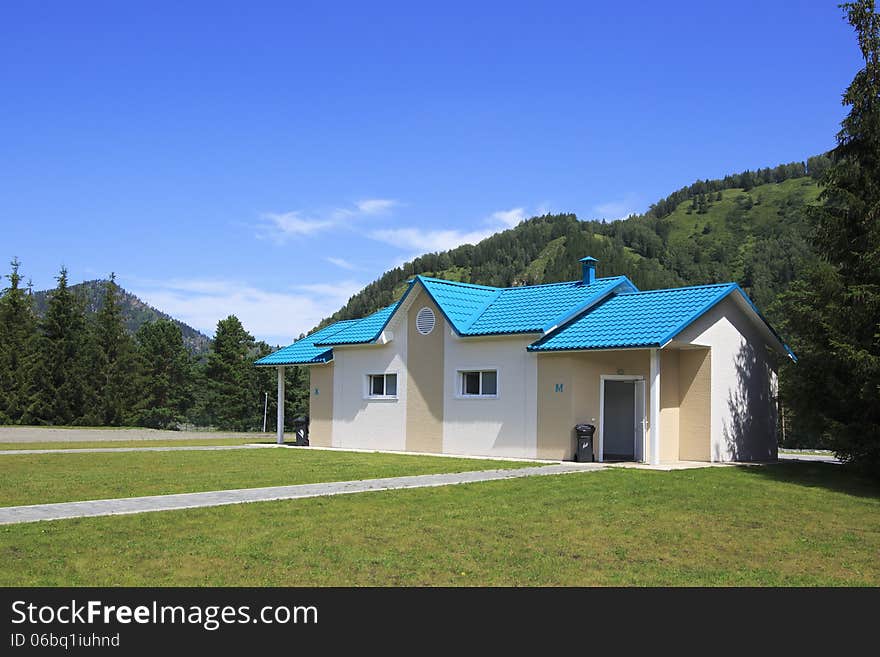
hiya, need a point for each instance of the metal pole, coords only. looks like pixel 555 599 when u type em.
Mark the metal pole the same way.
pixel 281 405
pixel 265 409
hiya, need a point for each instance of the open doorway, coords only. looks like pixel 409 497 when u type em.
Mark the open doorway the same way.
pixel 622 418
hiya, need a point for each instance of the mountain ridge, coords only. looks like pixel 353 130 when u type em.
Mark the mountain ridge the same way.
pixel 751 228
pixel 135 312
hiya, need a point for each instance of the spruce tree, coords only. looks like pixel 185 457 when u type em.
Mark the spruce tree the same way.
pixel 834 315
pixel 232 391
pixel 17 335
pixel 165 387
pixel 59 379
pixel 115 360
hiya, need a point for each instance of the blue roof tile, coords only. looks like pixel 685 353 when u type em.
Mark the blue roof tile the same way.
pixel 360 331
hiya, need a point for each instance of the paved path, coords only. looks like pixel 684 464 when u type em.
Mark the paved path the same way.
pixel 18 434
pixel 88 450
pixel 819 458
pixel 32 513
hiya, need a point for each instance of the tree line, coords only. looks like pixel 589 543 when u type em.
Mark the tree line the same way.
pixel 832 311
pixel 71 367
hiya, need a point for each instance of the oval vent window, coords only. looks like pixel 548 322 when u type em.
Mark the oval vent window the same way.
pixel 425 321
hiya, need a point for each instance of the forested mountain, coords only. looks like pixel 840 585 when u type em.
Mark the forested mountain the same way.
pixel 93 353
pixel 135 313
pixel 750 228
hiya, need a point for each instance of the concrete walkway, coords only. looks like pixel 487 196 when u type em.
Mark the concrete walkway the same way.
pixel 122 506
pixel 98 450
pixel 817 458
pixel 20 434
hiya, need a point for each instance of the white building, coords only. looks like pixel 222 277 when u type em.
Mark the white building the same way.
pixel 664 375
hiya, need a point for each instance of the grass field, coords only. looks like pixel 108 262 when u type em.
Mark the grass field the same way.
pixel 44 478
pixel 788 524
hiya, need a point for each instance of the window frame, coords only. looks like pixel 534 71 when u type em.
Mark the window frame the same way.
pixel 460 377
pixel 368 386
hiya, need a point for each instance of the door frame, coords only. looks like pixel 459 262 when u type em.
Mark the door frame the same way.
pixel 619 377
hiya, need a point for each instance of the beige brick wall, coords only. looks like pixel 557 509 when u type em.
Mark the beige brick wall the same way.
pixel 424 395
pixel 694 381
pixel 555 425
pixel 321 405
pixel 669 405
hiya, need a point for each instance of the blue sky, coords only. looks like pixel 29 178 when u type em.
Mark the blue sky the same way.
pixel 269 159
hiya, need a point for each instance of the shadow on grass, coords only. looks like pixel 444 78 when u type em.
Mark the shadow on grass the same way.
pixel 812 474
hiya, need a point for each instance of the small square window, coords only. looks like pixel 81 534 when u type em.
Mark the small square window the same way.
pixel 382 385
pixel 479 384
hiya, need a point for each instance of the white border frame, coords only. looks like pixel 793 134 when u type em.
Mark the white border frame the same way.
pixel 482 368
pixel 619 377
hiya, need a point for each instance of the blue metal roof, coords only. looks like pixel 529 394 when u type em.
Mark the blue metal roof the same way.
pixel 609 313
pixel 636 319
pixel 304 351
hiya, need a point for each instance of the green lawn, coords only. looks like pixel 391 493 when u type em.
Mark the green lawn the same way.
pixel 43 478
pixel 87 444
pixel 787 524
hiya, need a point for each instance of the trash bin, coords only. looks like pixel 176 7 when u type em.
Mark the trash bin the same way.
pixel 583 452
pixel 301 430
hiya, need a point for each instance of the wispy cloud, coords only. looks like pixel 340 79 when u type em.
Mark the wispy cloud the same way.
pixel 272 315
pixel 420 240
pixel 509 218
pixel 341 263
pixel 614 210
pixel 288 224
pixel 376 205
pixel 281 226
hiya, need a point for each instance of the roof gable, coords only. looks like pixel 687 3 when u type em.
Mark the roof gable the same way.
pixel 637 319
pixel 460 303
pixel 537 308
pixel 648 319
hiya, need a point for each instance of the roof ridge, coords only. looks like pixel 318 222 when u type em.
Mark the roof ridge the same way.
pixel 512 287
pixel 574 282
pixel 676 289
pixel 460 283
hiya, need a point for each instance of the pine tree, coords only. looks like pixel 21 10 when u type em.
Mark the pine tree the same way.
pixel 17 331
pixel 232 391
pixel 165 382
pixel 834 315
pixel 115 361
pixel 58 384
